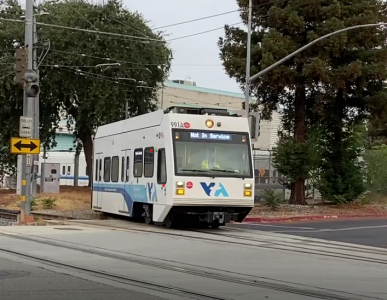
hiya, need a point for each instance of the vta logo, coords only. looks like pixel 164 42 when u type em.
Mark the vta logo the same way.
pixel 208 189
pixel 152 193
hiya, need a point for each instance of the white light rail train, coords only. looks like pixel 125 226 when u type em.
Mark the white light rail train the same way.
pixel 176 167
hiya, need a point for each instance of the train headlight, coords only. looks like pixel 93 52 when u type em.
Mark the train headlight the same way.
pixel 209 123
pixel 247 186
pixel 180 184
pixel 247 190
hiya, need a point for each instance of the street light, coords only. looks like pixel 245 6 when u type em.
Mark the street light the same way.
pixel 271 67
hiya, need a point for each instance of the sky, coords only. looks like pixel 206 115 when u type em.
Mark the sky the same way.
pixel 196 58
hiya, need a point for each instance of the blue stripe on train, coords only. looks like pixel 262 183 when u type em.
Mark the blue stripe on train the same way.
pixel 71 177
pixel 130 192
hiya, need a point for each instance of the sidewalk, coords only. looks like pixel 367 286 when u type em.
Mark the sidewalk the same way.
pixel 294 213
pixel 258 219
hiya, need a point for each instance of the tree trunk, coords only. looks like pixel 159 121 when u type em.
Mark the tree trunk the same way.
pixel 337 129
pixel 87 142
pixel 297 195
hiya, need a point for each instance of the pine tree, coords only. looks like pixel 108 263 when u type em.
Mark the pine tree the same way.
pixel 333 79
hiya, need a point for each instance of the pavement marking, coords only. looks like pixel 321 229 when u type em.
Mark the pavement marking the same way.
pixel 279 226
pixel 354 228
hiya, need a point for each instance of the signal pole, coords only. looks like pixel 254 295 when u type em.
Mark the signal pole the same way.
pixel 27 77
pixel 248 59
pixel 28 107
pixel 34 187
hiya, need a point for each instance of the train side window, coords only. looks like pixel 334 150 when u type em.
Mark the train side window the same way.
pixel 149 162
pixel 68 170
pixel 127 169
pixel 161 167
pixel 115 168
pixel 123 169
pixel 106 169
pixel 96 170
pixel 63 170
pixel 138 162
pixel 100 170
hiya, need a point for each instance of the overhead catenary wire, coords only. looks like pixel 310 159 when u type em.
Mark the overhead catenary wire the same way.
pixel 143 38
pixel 106 16
pixel 82 16
pixel 158 87
pixel 200 33
pixel 106 59
pixel 210 16
pixel 196 20
pixel 129 37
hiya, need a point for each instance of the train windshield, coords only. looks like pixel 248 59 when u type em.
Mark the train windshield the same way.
pixel 212 153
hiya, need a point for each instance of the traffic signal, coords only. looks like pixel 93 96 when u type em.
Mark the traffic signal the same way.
pixel 32 90
pixel 255 125
pixel 21 65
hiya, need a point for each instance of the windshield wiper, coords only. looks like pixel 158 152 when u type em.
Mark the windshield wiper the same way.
pixel 195 170
pixel 224 171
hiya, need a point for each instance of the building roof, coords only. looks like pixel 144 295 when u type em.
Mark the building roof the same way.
pixel 202 89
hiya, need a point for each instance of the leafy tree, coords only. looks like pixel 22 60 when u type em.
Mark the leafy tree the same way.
pixel 91 96
pixel 11 96
pixel 377 121
pixel 376 169
pixel 73 86
pixel 333 80
pixel 341 171
pixel 11 101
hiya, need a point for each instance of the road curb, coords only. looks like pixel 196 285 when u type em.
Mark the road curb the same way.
pixel 306 218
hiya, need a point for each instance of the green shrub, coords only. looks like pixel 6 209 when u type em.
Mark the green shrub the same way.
pixel 48 203
pixel 271 198
pixel 33 203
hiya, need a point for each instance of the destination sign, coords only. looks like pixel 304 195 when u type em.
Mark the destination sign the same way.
pixel 211 136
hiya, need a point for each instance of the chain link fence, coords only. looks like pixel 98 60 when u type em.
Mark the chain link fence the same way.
pixel 268 178
pixel 8 182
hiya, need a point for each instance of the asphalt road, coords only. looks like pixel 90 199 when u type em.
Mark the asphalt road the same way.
pixel 367 232
pixel 23 281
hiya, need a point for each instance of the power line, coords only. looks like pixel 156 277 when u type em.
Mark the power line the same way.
pixel 119 81
pixel 211 16
pixel 108 59
pixel 109 17
pixel 126 25
pixel 218 28
pixel 76 10
pixel 200 33
pixel 128 62
pixel 144 39
pixel 195 20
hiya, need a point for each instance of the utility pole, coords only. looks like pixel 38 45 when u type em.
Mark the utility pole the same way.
pixel 29 42
pixel 248 60
pixel 25 145
pixel 34 188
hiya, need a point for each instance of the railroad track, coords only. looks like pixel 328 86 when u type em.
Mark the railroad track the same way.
pixel 190 269
pixel 9 216
pixel 48 216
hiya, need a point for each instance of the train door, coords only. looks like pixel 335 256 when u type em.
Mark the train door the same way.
pixel 97 184
pixel 67 175
pixel 126 173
